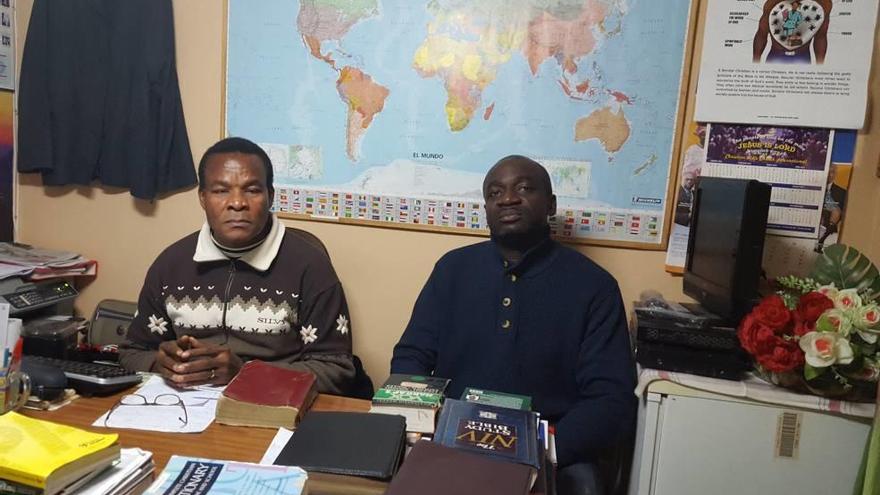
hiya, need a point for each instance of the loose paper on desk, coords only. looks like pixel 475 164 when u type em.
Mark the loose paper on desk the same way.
pixel 281 438
pixel 201 404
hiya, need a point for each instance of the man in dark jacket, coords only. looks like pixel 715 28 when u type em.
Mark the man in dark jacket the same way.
pixel 523 314
pixel 241 288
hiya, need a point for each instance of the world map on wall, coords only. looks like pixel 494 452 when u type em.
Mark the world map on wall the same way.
pixel 394 110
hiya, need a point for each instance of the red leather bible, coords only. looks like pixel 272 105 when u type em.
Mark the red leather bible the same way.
pixel 267 396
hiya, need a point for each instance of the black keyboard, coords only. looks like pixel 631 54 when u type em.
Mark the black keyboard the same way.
pixel 90 378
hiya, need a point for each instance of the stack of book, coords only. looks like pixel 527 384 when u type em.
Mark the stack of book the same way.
pixel 499 433
pixel 248 401
pixel 130 475
pixel 416 398
pixel 546 436
pixel 45 458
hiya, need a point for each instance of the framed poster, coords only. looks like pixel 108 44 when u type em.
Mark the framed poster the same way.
pixel 7 45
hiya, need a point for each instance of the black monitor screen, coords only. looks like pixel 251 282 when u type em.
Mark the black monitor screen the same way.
pixel 715 231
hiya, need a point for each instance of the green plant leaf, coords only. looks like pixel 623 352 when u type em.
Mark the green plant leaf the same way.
pixel 873 292
pixel 811 372
pixel 846 268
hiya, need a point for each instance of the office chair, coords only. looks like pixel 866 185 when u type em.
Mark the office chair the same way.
pixel 110 322
pixel 310 238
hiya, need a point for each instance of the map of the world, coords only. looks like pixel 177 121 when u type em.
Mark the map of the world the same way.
pixel 393 110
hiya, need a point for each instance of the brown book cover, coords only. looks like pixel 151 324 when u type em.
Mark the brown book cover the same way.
pixel 434 469
pixel 267 396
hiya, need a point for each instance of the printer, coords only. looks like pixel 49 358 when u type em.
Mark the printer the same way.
pixel 46 309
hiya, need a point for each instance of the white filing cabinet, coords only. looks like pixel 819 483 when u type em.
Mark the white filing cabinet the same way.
pixel 691 442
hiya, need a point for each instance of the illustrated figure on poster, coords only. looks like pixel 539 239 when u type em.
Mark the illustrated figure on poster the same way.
pixel 793 26
pixel 832 211
pixel 690 176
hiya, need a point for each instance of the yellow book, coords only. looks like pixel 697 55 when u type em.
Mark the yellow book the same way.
pixel 49 455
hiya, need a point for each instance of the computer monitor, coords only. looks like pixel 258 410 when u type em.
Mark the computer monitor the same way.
pixel 726 244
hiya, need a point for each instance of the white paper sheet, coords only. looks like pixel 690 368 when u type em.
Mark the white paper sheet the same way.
pixel 281 438
pixel 201 406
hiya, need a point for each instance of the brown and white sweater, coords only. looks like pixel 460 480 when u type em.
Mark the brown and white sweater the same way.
pixel 280 302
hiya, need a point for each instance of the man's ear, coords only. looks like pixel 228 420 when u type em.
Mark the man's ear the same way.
pixel 202 198
pixel 551 208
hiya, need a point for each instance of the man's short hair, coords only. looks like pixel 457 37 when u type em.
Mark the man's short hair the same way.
pixel 237 145
pixel 545 176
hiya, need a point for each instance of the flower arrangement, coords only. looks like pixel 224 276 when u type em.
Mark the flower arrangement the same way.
pixel 820 333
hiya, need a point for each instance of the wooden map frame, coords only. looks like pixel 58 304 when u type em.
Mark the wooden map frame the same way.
pixel 685 103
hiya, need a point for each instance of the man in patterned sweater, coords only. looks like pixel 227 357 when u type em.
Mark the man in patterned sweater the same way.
pixel 241 288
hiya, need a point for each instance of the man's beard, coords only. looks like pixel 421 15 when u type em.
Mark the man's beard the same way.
pixel 522 241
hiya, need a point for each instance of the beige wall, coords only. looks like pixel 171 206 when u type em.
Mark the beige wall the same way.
pixel 382 269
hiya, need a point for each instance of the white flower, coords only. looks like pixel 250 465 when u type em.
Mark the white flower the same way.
pixel 868 317
pixel 342 324
pixel 836 321
pixel 822 349
pixel 847 299
pixel 309 334
pixel 158 325
pixel 829 291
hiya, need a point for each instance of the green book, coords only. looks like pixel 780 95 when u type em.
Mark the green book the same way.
pixel 499 399
pixel 411 391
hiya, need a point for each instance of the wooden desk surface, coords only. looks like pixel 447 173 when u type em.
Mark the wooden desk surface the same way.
pixel 234 443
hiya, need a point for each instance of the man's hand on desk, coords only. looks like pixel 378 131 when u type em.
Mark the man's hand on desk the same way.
pixel 188 362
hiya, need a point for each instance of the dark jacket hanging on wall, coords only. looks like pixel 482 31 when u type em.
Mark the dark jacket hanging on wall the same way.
pixel 98 97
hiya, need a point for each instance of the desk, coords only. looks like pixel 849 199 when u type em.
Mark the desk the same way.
pixel 233 443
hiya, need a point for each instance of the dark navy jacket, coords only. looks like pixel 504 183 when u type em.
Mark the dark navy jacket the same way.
pixel 553 327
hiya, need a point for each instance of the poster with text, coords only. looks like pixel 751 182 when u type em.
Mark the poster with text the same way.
pixel 7 45
pixel 786 62
pixel 688 177
pixel 793 160
pixel 796 256
pixel 6 160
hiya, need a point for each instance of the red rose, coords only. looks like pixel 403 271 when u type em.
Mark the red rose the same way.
pixel 802 327
pixel 785 356
pixel 772 312
pixel 755 336
pixel 811 306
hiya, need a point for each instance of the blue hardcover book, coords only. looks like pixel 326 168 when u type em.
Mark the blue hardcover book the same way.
pixel 500 432
pixel 190 475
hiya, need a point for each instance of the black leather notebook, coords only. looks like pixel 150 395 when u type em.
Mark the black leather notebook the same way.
pixel 351 443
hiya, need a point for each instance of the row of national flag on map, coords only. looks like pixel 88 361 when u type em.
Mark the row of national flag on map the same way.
pixel 600 223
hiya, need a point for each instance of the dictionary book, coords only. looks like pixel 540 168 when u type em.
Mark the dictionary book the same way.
pixel 191 475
